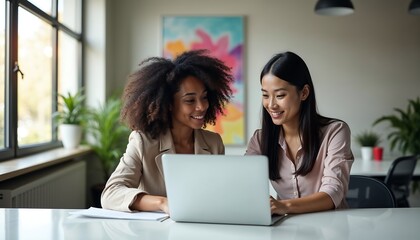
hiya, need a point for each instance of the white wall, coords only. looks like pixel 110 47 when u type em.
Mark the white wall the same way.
pixel 95 51
pixel 362 65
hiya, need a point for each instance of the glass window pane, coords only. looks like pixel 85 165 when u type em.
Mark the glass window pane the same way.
pixel 44 5
pixel 35 90
pixel 68 68
pixel 2 73
pixel 69 13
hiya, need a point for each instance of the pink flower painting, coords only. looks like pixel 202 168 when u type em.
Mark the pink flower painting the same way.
pixel 224 38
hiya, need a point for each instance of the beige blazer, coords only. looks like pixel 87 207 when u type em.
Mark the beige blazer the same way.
pixel 140 168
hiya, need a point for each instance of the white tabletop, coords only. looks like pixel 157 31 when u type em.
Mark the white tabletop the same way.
pixel 375 168
pixel 396 223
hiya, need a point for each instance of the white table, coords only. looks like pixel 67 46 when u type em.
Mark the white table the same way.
pixel 375 168
pixel 57 224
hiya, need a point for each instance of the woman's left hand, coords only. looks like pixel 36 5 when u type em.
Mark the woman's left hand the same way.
pixel 316 202
pixel 278 207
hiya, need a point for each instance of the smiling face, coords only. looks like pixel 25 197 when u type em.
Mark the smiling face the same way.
pixel 282 100
pixel 190 104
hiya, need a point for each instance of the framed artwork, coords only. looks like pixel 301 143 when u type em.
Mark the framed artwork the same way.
pixel 223 36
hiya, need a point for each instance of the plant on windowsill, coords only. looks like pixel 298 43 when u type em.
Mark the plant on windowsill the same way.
pixel 71 117
pixel 367 140
pixel 107 138
pixel 405 134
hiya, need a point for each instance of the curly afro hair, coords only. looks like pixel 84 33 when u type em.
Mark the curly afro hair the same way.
pixel 149 91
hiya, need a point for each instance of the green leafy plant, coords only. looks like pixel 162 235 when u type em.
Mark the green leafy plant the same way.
pixel 405 125
pixel 109 135
pixel 405 134
pixel 368 139
pixel 71 108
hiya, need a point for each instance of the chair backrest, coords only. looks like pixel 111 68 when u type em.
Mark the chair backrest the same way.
pixel 368 192
pixel 401 172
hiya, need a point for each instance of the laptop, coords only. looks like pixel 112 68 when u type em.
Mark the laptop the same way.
pixel 227 189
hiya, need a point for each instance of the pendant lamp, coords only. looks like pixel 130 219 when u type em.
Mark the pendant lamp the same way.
pixel 334 7
pixel 414 7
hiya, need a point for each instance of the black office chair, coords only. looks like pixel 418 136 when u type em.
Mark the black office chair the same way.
pixel 399 177
pixel 368 192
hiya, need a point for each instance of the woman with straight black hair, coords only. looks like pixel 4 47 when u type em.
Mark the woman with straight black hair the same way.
pixel 309 155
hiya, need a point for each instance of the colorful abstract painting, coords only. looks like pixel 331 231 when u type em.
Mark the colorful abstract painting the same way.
pixel 224 37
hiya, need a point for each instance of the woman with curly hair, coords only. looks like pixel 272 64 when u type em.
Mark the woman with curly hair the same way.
pixel 166 104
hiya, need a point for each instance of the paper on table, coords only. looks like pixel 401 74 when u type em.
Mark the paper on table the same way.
pixel 105 213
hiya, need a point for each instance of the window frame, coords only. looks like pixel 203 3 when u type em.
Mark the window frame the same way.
pixel 12 150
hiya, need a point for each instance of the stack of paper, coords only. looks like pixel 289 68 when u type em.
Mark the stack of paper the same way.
pixel 105 213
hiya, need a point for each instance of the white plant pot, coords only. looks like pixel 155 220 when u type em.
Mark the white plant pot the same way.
pixel 71 135
pixel 367 153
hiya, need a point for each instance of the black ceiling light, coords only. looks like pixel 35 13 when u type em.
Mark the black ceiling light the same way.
pixel 335 7
pixel 414 7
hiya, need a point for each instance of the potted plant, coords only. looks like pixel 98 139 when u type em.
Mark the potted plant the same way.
pixel 405 134
pixel 70 117
pixel 367 140
pixel 108 139
pixel 405 125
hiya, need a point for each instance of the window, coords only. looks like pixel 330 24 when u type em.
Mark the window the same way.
pixel 2 73
pixel 40 56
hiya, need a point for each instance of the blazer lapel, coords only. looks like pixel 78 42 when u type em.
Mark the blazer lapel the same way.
pixel 200 145
pixel 166 146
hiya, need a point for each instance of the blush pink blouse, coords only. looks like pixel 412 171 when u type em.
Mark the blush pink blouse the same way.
pixel 331 170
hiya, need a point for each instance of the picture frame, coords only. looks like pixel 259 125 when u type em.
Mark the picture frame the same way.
pixel 223 36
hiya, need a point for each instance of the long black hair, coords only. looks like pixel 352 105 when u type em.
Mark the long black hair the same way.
pixel 291 68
